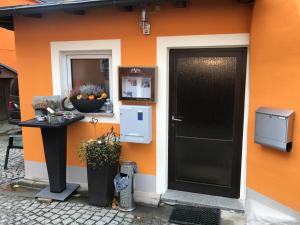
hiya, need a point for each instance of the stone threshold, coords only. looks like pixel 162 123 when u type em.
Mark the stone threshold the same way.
pixel 173 197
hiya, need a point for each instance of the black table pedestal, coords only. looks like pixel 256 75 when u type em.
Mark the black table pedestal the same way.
pixel 55 149
pixel 55 145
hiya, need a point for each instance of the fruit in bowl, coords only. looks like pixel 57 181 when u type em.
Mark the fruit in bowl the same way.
pixel 88 98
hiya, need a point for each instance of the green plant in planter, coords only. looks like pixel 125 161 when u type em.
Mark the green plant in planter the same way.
pixel 105 150
pixel 102 156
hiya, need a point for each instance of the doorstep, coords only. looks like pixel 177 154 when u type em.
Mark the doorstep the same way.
pixel 195 199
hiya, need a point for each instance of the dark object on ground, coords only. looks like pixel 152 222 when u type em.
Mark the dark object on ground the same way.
pixel 87 106
pixel 11 145
pixel 101 184
pixel 14 114
pixel 190 215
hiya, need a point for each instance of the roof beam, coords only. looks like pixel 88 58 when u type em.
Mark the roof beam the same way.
pixel 34 15
pixel 180 3
pixel 76 12
pixel 246 1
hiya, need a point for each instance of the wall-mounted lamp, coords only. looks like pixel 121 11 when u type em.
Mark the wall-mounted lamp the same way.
pixel 145 25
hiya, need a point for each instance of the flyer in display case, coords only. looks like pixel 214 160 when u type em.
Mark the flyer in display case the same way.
pixel 137 83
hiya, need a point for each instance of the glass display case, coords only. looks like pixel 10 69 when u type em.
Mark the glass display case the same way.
pixel 137 83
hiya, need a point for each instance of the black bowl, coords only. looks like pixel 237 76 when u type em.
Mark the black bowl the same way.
pixel 87 106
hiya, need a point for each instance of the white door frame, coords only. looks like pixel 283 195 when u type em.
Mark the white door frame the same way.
pixel 162 106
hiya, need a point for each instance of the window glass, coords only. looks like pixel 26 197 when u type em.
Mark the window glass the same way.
pixel 90 71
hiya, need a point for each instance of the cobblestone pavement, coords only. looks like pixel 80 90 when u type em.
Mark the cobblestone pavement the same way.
pixel 16 209
pixel 20 207
pixel 20 210
pixel 15 164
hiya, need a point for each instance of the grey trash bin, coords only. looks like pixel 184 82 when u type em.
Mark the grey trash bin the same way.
pixel 126 195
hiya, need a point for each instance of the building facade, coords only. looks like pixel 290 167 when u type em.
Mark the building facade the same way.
pixel 254 46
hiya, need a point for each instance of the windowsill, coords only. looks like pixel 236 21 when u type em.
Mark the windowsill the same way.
pixel 101 117
pixel 98 114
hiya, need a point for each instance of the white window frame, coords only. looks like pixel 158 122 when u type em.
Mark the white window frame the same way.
pixel 91 48
pixel 71 56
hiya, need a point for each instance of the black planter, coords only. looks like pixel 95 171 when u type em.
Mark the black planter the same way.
pixel 87 106
pixel 101 184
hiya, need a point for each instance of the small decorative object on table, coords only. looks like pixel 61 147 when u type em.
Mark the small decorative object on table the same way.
pixel 41 103
pixel 102 156
pixel 88 98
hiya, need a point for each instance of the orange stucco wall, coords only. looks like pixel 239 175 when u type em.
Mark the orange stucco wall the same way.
pixel 7 38
pixel 33 37
pixel 275 80
pixel 7 48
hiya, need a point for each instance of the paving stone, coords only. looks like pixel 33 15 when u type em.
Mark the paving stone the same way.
pixel 49 214
pixel 106 219
pixel 119 219
pixel 86 216
pixel 46 221
pixel 81 220
pixel 100 223
pixel 113 211
pixel 70 212
pixel 125 223
pixel 55 210
pixel 24 221
pixel 74 223
pixel 130 216
pixel 100 214
pixel 89 222
pixel 40 219
pixel 111 215
pixel 76 216
pixel 96 218
pixel 67 221
pixel 53 217
pixel 121 214
pixel 56 221
pixel 32 217
pixel 128 219
pixel 65 216
pixel 113 223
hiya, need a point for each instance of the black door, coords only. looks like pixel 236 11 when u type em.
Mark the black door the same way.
pixel 207 88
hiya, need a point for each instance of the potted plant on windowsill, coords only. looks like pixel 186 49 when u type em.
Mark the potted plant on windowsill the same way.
pixel 102 156
pixel 88 98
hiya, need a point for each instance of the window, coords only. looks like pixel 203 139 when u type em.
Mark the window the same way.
pixel 89 69
pixel 63 51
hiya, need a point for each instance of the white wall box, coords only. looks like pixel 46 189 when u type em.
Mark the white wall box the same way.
pixel 136 124
pixel 274 128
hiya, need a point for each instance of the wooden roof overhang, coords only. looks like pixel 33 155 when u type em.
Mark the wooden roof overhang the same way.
pixel 76 7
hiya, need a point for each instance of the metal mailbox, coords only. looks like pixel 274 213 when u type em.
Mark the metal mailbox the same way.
pixel 136 124
pixel 274 128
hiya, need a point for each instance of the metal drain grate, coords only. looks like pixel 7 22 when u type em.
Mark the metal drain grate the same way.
pixel 189 215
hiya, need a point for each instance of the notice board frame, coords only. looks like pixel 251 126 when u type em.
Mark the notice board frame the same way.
pixel 144 73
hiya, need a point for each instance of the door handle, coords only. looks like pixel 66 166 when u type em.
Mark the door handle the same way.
pixel 176 119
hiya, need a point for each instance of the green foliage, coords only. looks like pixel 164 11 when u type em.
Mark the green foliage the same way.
pixel 105 150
